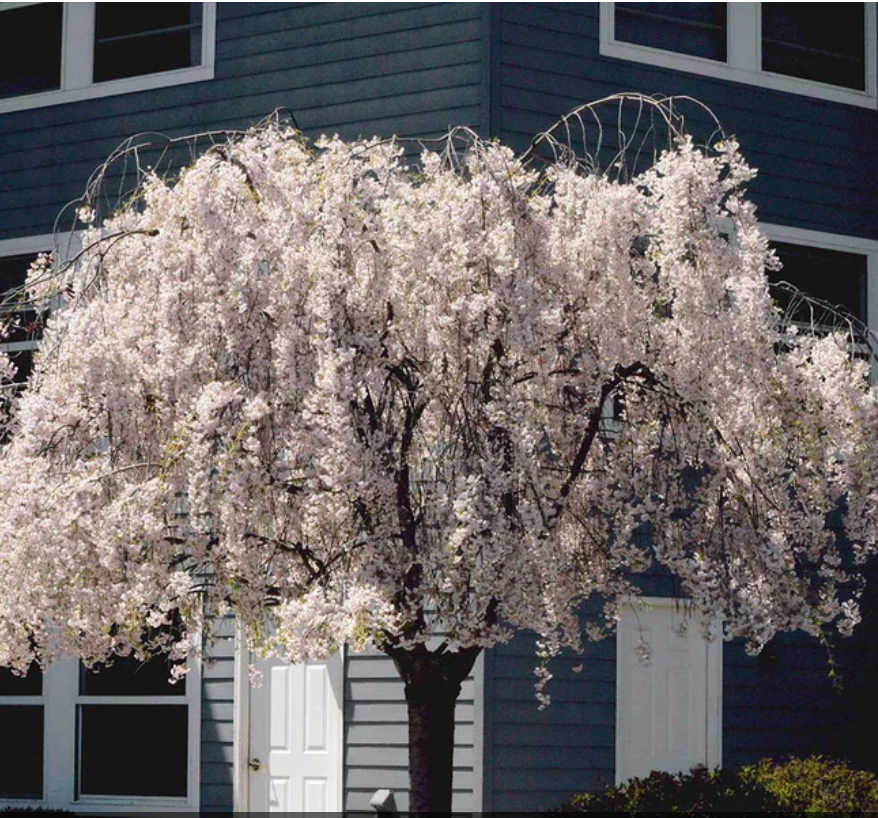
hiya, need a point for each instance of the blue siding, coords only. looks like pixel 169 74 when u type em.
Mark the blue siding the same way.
pixel 217 707
pixel 352 69
pixel 535 759
pixel 800 697
pixel 817 160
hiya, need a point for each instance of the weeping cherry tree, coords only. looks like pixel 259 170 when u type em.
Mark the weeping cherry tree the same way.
pixel 419 402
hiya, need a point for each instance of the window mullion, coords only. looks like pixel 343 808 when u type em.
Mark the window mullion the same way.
pixel 59 692
pixel 78 45
pixel 744 36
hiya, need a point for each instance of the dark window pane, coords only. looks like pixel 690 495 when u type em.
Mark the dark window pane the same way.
pixel 26 324
pixel 830 275
pixel 132 39
pixel 698 29
pixel 30 49
pixel 21 751
pixel 121 19
pixel 29 685
pixel 133 750
pixel 816 41
pixel 13 269
pixel 130 677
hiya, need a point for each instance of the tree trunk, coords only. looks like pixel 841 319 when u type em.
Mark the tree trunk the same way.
pixel 431 707
pixel 432 685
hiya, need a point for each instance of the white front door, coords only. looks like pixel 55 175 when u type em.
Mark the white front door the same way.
pixel 296 737
pixel 668 709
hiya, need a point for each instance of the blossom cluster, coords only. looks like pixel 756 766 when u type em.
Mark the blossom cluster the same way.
pixel 359 400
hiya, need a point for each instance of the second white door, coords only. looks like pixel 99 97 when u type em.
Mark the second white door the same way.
pixel 669 708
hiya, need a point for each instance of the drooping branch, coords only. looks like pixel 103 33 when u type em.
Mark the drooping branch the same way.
pixel 620 375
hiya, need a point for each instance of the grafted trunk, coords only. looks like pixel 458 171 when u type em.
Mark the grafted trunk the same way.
pixel 432 685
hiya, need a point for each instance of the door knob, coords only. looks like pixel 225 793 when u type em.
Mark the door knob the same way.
pixel 255 764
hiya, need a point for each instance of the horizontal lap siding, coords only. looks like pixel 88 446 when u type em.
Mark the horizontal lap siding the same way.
pixel 352 69
pixel 800 697
pixel 376 737
pixel 817 160
pixel 535 759
pixel 217 706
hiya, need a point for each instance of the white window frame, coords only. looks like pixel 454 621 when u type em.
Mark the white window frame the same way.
pixel 77 63
pixel 61 701
pixel 744 57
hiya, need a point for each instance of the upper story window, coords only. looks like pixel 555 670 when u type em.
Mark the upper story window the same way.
pixel 823 50
pixel 51 53
pixel 132 39
pixel 30 70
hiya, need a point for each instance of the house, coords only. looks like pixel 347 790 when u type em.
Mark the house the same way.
pixel 797 84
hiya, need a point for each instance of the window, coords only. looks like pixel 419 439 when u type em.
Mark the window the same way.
pixel 823 42
pixel 22 340
pixel 697 29
pixel 140 697
pixel 824 50
pixel 841 270
pixel 29 71
pixel 89 50
pixel 100 740
pixel 132 39
pixel 834 276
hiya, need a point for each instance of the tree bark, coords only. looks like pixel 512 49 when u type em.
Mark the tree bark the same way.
pixel 432 685
pixel 431 706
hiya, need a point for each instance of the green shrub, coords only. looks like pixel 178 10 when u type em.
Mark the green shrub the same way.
pixel 700 790
pixel 814 784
